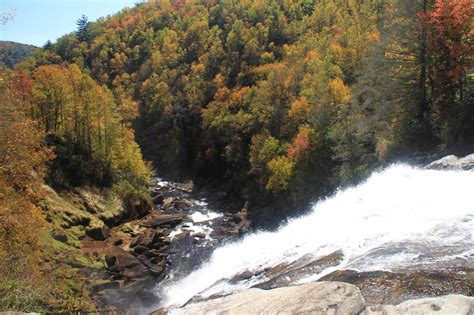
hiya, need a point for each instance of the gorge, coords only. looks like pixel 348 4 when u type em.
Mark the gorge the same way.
pixel 186 155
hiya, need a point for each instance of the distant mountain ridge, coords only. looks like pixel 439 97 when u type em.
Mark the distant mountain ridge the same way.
pixel 12 53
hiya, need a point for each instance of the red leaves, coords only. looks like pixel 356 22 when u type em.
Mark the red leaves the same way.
pixel 300 144
pixel 449 28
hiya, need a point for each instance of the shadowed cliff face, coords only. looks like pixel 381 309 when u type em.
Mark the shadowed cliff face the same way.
pixel 414 224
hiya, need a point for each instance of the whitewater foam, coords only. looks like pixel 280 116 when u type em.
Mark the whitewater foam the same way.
pixel 398 218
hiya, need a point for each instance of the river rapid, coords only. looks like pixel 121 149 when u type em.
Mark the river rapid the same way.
pixel 399 220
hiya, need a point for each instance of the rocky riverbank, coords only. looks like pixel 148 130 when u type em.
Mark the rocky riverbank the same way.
pixel 321 298
pixel 166 239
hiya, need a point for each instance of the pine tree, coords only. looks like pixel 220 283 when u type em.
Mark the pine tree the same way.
pixel 83 28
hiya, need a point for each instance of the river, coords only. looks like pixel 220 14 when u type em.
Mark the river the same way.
pixel 400 219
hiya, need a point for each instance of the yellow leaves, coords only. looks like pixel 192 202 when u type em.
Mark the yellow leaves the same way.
pixel 281 170
pixel 373 36
pixel 339 91
pixel 336 50
pixel 299 109
pixel 225 110
pixel 267 57
pixel 127 163
pixel 198 68
pixel 128 109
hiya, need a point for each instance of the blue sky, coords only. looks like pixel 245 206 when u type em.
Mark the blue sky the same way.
pixel 37 21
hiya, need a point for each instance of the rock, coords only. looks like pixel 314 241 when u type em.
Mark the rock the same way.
pixel 384 287
pixel 168 203
pixel 118 242
pixel 452 162
pixel 247 274
pixel 106 285
pixel 183 204
pixel 139 207
pixel 140 250
pixel 200 235
pixel 446 305
pixel 98 232
pixel 162 219
pixel 125 264
pixel 160 311
pixel 146 239
pixel 157 198
pixel 59 236
pixel 311 298
pixel 283 275
pixel 187 186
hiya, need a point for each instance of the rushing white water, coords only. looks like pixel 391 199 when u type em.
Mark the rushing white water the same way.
pixel 399 218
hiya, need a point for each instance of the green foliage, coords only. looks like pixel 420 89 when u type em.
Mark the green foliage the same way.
pixel 224 88
pixel 281 170
pixel 91 139
pixel 12 53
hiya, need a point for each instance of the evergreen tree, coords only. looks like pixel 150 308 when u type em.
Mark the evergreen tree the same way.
pixel 82 32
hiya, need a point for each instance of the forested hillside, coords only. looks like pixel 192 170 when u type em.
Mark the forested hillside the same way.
pixel 269 100
pixel 284 96
pixel 12 53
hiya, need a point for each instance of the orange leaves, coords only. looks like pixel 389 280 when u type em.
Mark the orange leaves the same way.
pixel 312 55
pixel 300 144
pixel 22 164
pixel 450 27
pixel 21 150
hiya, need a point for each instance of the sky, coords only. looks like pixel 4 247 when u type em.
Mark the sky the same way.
pixel 37 21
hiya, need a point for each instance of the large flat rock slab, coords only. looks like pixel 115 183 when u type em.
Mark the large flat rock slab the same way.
pixel 312 298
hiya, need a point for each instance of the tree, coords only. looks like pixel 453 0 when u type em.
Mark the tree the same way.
pixel 449 28
pixel 22 166
pixel 82 32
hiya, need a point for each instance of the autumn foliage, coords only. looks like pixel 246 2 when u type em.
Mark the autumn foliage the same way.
pixel 450 26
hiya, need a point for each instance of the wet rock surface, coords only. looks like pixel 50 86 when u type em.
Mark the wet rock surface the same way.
pixel 384 287
pixel 320 298
pixel 286 274
pixel 452 162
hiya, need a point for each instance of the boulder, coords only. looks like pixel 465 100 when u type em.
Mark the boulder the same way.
pixel 183 204
pixel 445 305
pixel 452 162
pixel 98 231
pixel 59 236
pixel 311 298
pixel 168 203
pixel 125 264
pixel 157 198
pixel 145 239
pixel 160 219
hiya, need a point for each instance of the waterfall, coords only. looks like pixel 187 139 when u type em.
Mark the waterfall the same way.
pixel 399 218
